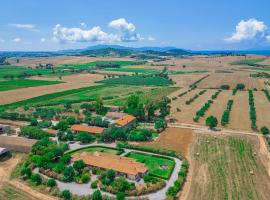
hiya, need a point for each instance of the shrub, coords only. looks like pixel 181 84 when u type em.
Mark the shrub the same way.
pixel 120 196
pixel 66 194
pixel 226 114
pixel 51 182
pixel 265 130
pixel 94 185
pixel 85 178
pixel 225 87
pixel 33 132
pixel 97 195
pixel 78 165
pixel 36 178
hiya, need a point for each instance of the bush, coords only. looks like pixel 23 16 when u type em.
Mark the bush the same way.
pixel 265 130
pixel 84 137
pixel 120 196
pixel 94 185
pixel 97 195
pixel 226 114
pixel 33 132
pixel 36 178
pixel 66 194
pixel 225 87
pixel 51 182
pixel 85 178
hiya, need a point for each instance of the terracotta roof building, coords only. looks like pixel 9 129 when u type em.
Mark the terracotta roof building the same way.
pixel 120 164
pixel 122 120
pixel 88 129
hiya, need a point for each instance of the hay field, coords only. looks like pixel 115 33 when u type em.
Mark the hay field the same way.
pixel 225 167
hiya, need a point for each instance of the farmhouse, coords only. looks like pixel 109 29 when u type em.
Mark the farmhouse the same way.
pixel 88 129
pixel 4 129
pixel 121 165
pixel 121 120
pixel 20 144
pixel 51 131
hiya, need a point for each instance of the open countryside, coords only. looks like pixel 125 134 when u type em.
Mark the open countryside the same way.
pixel 121 103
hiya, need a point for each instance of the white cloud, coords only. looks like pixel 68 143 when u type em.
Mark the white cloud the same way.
pixel 83 24
pixel 150 38
pixel 126 30
pixel 30 27
pixel 2 40
pixel 17 40
pixel 251 29
pixel 95 34
pixel 125 33
pixel 268 38
pixel 42 40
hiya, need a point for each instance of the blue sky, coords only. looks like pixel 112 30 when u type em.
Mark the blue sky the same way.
pixel 193 24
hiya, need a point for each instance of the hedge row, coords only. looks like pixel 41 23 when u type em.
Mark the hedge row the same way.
pixel 188 102
pixel 226 114
pixel 196 82
pixel 178 184
pixel 252 110
pixel 267 94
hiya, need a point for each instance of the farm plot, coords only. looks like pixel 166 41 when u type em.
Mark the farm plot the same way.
pixel 24 83
pixel 188 111
pixel 239 119
pixel 225 167
pixel 158 166
pixel 184 80
pixel 262 106
pixel 175 139
pixel 217 80
pixel 217 107
pixel 71 82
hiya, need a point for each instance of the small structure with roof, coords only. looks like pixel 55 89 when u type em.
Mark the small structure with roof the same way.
pixel 87 129
pixel 4 129
pixel 123 166
pixel 121 120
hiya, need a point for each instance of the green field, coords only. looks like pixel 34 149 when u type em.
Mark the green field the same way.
pixel 132 70
pixel 258 68
pixel 154 164
pixel 148 94
pixel 251 62
pixel 23 83
pixel 186 72
pixel 97 149
pixel 111 94
pixel 138 80
pixel 61 70
pixel 8 192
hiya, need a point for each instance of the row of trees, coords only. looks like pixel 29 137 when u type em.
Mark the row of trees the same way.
pixel 239 86
pixel 267 94
pixel 226 114
pixel 188 102
pixel 252 110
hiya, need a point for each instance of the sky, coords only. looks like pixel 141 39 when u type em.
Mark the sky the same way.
pixel 41 25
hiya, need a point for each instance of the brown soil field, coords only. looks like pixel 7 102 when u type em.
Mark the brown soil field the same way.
pixel 217 108
pixel 226 167
pixel 202 63
pixel 59 60
pixel 188 111
pixel 175 139
pixel 239 117
pixel 184 80
pixel 71 82
pixel 262 106
pixel 216 80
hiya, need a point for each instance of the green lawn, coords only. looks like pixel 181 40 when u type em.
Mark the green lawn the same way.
pixel 154 164
pixel 258 68
pixel 248 62
pixel 138 80
pixel 23 83
pixel 97 149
